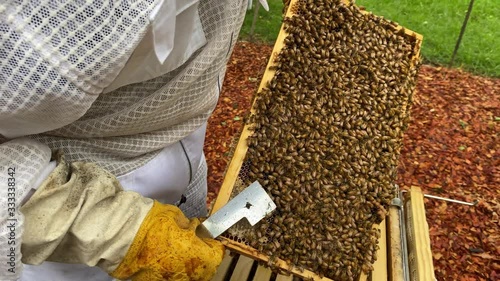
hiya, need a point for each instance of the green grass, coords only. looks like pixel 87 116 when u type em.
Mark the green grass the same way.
pixel 438 21
pixel 267 25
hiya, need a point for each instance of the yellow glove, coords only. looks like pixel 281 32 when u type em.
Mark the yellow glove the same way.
pixel 167 248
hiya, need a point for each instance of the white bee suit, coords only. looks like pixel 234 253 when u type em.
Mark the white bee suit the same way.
pixel 127 85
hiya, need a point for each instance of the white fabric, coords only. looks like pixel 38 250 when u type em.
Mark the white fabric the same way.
pixel 57 57
pixel 163 28
pixel 44 173
pixel 16 179
pixel 54 271
pixel 195 203
pixel 176 34
pixel 166 177
pixel 126 128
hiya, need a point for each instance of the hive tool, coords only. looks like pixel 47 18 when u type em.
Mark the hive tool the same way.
pixel 253 203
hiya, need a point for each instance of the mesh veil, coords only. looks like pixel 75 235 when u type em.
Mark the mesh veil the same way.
pixel 123 129
pixel 56 57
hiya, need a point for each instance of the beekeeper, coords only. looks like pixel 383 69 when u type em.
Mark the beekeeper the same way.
pixel 103 111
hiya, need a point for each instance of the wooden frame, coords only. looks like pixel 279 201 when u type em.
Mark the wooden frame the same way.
pixel 234 167
pixel 389 265
pixel 417 234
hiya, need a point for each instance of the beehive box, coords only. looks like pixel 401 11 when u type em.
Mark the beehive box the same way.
pixel 397 259
pixel 324 138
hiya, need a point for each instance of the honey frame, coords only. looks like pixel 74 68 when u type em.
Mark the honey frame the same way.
pixel 240 151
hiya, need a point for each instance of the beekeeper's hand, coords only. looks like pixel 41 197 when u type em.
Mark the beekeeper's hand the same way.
pixel 80 214
pixel 167 248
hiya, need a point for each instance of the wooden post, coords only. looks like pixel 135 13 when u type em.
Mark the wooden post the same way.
pixel 255 15
pixel 395 253
pixel 419 244
pixel 462 31
pixel 380 265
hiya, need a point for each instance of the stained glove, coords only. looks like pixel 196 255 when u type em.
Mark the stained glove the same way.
pixel 80 214
pixel 167 248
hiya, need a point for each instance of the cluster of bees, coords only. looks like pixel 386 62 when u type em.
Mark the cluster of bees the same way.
pixel 327 132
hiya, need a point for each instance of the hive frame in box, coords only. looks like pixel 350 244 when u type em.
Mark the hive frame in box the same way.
pixel 406 216
pixel 240 151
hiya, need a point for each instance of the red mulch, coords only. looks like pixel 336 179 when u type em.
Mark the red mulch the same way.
pixel 451 149
pixel 243 74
